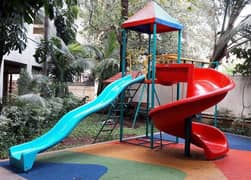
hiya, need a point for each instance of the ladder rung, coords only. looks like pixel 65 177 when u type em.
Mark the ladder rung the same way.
pixel 109 122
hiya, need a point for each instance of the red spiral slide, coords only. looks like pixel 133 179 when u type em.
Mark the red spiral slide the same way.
pixel 205 87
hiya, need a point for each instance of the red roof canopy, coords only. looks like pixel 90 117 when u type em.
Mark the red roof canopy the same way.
pixel 119 75
pixel 145 18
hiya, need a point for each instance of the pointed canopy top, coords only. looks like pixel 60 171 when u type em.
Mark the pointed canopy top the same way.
pixel 152 13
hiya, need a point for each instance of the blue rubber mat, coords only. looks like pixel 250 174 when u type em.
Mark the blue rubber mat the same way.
pixel 54 171
pixel 235 141
pixel 239 142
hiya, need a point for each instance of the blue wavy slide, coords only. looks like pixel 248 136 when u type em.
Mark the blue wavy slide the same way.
pixel 22 156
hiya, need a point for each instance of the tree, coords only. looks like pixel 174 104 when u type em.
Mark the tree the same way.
pixel 101 22
pixel 63 12
pixel 245 70
pixel 232 33
pixel 61 61
pixel 13 16
pixel 64 22
pixel 245 67
pixel 124 16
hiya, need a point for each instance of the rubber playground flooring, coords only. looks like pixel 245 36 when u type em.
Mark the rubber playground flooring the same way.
pixel 115 160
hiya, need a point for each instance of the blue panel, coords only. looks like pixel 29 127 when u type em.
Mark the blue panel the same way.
pixel 62 171
pixel 174 25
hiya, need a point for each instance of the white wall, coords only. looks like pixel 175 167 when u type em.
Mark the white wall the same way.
pixel 25 58
pixel 234 99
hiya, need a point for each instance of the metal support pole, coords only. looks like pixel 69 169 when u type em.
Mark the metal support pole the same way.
pixel 178 61
pixel 188 132
pixel 215 115
pixel 148 86
pixel 157 97
pixel 179 46
pixel 215 106
pixel 138 106
pixel 153 75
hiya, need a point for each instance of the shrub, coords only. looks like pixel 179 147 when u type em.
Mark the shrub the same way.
pixel 29 116
pixel 20 123
pixel 40 84
pixel 24 83
pixel 7 138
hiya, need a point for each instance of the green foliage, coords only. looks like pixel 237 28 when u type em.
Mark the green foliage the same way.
pixel 64 22
pixel 39 84
pixel 111 45
pixel 245 67
pixel 14 15
pixel 42 85
pixel 32 99
pixel 101 18
pixel 105 69
pixel 55 109
pixel 238 127
pixel 23 119
pixel 20 9
pixel 77 49
pixel 7 139
pixel 61 61
pixel 13 34
pixel 19 123
pixel 67 61
pixel 24 83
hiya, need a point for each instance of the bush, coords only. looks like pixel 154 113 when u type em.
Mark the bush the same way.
pixel 24 119
pixel 70 102
pixel 41 85
pixel 20 123
pixel 7 138
pixel 24 83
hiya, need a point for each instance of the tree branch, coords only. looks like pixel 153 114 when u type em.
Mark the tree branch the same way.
pixel 237 45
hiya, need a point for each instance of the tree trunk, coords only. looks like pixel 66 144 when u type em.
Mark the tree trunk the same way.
pixel 1 60
pixel 220 48
pixel 124 16
pixel 46 38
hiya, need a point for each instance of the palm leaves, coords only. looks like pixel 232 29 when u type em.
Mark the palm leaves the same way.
pixel 67 61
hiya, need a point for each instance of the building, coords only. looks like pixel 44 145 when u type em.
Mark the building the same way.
pixel 14 62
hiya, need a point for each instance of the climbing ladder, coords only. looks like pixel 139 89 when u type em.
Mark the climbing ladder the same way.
pixel 113 117
pixel 110 122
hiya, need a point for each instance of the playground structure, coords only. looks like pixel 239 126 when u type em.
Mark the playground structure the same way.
pixel 176 118
pixel 205 88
